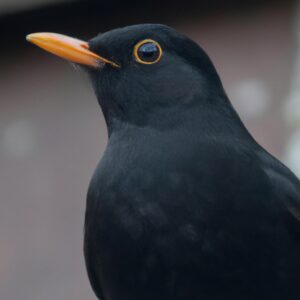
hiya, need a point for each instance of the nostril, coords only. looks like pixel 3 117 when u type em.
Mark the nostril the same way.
pixel 85 45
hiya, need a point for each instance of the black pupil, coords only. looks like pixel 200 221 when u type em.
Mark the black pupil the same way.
pixel 148 52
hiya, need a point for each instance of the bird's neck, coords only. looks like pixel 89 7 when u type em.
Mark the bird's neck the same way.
pixel 207 121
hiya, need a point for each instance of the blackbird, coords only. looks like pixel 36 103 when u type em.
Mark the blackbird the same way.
pixel 184 204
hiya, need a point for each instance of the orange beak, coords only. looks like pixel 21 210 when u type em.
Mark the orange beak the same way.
pixel 69 48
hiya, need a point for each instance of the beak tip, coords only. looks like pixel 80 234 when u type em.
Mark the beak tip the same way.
pixel 29 37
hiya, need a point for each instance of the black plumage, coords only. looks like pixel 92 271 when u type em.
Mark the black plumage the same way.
pixel 184 203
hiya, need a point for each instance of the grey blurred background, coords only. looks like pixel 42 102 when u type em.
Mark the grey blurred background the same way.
pixel 52 132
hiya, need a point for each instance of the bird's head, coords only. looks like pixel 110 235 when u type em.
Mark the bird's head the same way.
pixel 142 74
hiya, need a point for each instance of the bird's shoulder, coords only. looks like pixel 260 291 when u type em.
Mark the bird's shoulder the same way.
pixel 283 182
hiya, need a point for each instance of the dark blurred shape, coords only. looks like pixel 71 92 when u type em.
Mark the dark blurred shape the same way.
pixel 12 6
pixel 58 15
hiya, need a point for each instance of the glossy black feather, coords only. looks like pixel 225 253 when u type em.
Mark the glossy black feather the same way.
pixel 184 204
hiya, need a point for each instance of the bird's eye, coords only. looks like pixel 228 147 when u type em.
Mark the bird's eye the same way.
pixel 147 52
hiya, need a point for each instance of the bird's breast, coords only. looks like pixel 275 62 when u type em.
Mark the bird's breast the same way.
pixel 161 225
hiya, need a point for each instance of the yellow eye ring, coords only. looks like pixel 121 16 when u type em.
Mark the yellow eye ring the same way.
pixel 147 52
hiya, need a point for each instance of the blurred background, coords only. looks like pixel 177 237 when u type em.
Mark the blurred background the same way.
pixel 52 133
